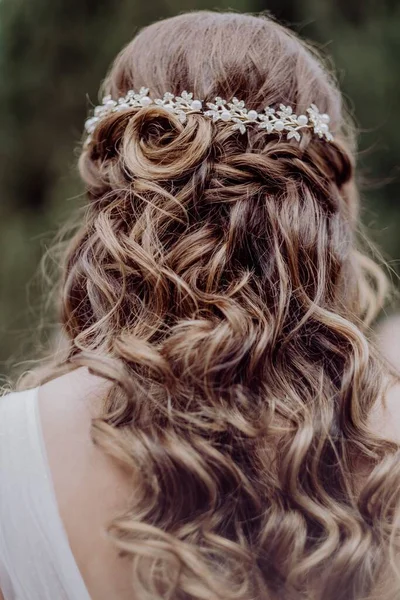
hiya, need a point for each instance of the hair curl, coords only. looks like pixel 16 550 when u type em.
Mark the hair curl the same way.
pixel 216 281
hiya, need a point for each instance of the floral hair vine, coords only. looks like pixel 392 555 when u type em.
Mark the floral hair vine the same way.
pixel 281 120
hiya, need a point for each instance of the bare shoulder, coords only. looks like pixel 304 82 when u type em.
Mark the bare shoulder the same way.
pixel 67 405
pixel 388 337
pixel 385 417
pixel 90 489
pixel 78 394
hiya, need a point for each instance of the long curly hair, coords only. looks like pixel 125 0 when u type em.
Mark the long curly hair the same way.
pixel 216 280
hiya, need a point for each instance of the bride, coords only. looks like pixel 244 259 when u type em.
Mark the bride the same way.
pixel 215 428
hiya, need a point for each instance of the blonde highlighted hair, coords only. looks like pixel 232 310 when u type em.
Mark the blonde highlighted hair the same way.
pixel 215 279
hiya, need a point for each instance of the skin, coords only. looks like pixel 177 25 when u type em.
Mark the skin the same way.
pixel 90 489
pixel 387 422
pixel 389 337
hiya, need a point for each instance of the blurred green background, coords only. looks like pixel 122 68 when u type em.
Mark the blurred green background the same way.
pixel 54 53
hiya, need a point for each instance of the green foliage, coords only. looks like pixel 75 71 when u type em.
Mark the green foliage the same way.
pixel 54 54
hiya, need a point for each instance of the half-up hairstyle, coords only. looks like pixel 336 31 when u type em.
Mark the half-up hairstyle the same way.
pixel 216 281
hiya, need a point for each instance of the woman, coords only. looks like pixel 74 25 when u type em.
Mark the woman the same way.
pixel 216 427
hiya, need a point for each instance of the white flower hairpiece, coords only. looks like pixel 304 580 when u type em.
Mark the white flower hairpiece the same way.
pixel 281 120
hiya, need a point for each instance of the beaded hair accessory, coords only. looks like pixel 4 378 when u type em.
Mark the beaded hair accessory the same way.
pixel 281 120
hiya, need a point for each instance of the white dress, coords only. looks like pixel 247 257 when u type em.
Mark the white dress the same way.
pixel 36 561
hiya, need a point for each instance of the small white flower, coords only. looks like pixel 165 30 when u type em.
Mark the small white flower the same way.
pixel 214 114
pixel 237 103
pixel 284 111
pixel 267 125
pixel 266 118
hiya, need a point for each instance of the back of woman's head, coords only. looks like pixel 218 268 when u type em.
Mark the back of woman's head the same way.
pixel 215 279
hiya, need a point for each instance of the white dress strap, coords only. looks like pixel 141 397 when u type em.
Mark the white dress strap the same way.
pixel 36 561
